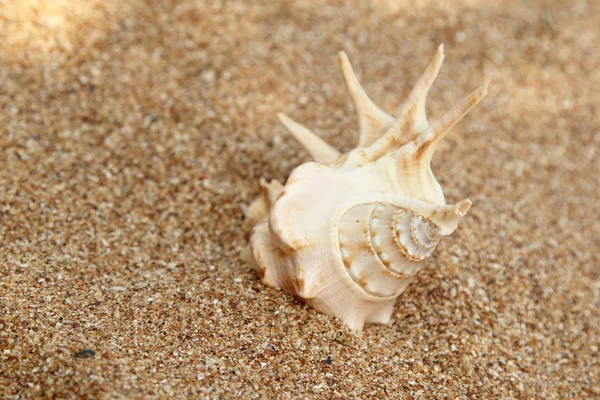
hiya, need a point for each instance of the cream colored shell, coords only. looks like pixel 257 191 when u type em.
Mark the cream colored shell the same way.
pixel 347 233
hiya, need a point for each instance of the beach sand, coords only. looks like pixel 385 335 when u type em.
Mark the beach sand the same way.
pixel 133 134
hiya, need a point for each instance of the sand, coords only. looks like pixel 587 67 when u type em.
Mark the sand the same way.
pixel 133 133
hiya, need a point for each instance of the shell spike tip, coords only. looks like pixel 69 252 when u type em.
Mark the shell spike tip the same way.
pixel 448 215
pixel 412 116
pixel 418 96
pixel 371 119
pixel 319 150
pixel 428 140
pixel 462 207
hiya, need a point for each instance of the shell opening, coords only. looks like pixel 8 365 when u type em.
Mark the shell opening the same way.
pixel 463 207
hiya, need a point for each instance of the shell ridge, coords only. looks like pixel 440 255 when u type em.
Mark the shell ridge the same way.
pixel 379 252
pixel 354 266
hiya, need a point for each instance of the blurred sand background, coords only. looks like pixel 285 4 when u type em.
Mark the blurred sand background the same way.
pixel 132 134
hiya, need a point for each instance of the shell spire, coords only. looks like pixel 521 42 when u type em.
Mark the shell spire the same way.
pixel 347 234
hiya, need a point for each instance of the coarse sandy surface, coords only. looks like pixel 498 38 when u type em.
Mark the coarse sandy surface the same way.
pixel 133 134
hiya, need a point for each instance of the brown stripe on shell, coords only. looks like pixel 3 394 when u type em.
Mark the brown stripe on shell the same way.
pixel 298 245
pixel 345 257
pixel 344 253
pixel 368 248
pixel 299 281
pixel 260 263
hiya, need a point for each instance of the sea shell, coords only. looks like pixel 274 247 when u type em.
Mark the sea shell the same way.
pixel 347 233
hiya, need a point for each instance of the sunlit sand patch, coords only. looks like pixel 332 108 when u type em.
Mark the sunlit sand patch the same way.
pixel 39 30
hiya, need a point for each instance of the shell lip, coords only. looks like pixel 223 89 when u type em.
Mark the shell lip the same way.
pixel 463 207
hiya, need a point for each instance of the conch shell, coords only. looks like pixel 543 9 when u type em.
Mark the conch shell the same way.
pixel 347 233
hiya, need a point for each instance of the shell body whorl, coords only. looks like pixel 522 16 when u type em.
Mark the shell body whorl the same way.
pixel 348 233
